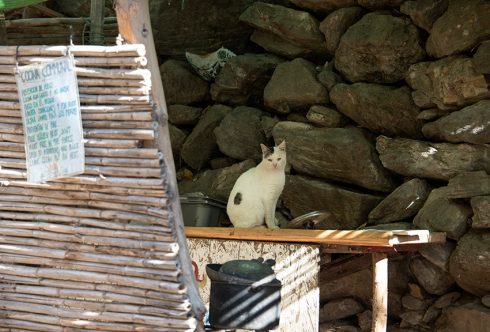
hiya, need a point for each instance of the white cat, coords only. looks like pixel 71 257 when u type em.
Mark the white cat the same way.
pixel 254 196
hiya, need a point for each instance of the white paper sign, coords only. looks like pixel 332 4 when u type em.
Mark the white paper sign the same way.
pixel 50 104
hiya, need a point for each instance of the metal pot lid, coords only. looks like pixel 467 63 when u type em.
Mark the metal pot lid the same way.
pixel 254 269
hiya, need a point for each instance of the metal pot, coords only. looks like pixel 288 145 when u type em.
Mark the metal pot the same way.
pixel 245 294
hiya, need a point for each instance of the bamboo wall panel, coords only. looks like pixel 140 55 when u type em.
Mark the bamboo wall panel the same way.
pixel 96 251
pixel 57 30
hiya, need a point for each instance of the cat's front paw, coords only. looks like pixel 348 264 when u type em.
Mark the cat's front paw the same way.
pixel 273 227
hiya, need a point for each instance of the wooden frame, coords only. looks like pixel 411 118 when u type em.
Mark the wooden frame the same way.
pixel 375 242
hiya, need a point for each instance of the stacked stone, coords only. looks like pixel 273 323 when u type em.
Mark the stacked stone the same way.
pixel 385 107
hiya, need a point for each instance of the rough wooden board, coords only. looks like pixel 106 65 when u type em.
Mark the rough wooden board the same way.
pixel 369 238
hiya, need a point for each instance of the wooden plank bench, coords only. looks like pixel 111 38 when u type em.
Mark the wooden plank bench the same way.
pixel 377 243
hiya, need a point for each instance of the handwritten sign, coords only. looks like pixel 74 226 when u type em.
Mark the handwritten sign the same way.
pixel 48 94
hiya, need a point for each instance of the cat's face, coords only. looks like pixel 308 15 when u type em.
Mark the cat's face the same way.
pixel 275 158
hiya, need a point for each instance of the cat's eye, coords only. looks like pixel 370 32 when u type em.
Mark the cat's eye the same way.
pixel 269 159
pixel 279 159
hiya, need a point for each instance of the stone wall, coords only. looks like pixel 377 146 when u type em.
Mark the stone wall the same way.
pixel 385 106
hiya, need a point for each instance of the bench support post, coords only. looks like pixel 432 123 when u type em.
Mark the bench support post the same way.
pixel 380 292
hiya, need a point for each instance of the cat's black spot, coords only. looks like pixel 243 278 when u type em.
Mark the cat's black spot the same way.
pixel 238 198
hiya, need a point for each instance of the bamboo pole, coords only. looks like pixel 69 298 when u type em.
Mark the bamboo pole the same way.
pixel 114 124
pixel 103 224
pixel 95 81
pixel 90 239
pixel 16 138
pixel 126 50
pixel 171 254
pixel 93 295
pixel 11 154
pixel 94 90
pixel 87 61
pixel 97 21
pixel 150 274
pixel 123 153
pixel 94 277
pixel 135 27
pixel 139 74
pixel 34 322
pixel 114 108
pixel 111 143
pixel 105 99
pixel 173 299
pixel 13 120
pixel 98 315
pixel 83 212
pixel 18 159
pixel 143 134
pixel 117 260
pixel 94 305
pixel 113 190
pixel 76 230
pixel 125 116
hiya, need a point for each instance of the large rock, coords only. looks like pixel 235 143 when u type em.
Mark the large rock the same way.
pixel 294 86
pixel 329 78
pixel 481 59
pixel 470 263
pixel 201 143
pixel 469 184
pixel 323 6
pixel 378 48
pixel 460 28
pixel 404 202
pixel 302 195
pixel 293 26
pixel 481 209
pixel 322 116
pixel 379 4
pixel 177 139
pixel 449 83
pixel 424 12
pixel 181 85
pixel 216 183
pixel 439 254
pixel 240 133
pixel 243 78
pixel 336 23
pixel 468 317
pixel 183 114
pixel 471 125
pixel 276 45
pixel 199 26
pixel 440 161
pixel 341 154
pixel 359 285
pixel 339 309
pixel 382 109
pixel 430 277
pixel 439 213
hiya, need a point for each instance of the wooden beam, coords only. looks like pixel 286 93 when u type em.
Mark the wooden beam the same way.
pixel 366 238
pixel 380 292
pixel 134 26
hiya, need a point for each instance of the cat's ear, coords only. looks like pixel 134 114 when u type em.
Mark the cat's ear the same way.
pixel 282 146
pixel 265 149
